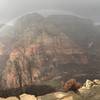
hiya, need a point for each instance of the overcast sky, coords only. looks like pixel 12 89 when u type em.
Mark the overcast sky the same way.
pixel 10 9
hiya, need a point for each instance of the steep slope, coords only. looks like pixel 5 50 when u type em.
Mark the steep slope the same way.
pixel 38 48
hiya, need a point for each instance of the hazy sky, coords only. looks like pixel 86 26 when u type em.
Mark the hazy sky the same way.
pixel 10 9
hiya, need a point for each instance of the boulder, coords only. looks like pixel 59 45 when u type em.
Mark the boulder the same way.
pixel 60 96
pixel 71 84
pixel 27 97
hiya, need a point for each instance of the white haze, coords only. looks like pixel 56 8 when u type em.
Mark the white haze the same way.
pixel 10 9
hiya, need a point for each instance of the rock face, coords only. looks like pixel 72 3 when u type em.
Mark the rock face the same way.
pixel 35 47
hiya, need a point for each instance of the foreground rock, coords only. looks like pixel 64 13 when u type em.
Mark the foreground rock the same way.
pixel 9 98
pixel 12 98
pixel 2 99
pixel 90 90
pixel 27 97
pixel 60 96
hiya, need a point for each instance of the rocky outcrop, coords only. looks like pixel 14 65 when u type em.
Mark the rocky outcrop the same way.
pixel 89 91
pixel 72 84
pixel 9 98
pixel 60 96
pixel 52 96
pixel 2 99
pixel 12 98
pixel 27 97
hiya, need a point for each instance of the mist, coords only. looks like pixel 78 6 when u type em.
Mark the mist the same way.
pixel 10 9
